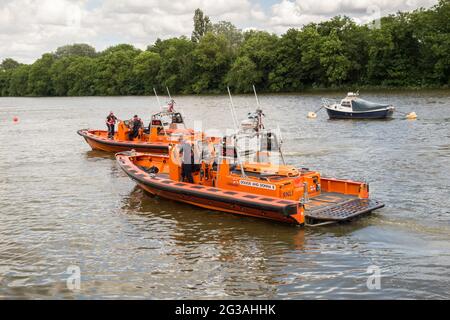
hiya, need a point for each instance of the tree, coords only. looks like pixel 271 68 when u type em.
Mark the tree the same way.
pixel 409 49
pixel 146 67
pixel 260 47
pixel 77 49
pixel 59 75
pixel 354 41
pixel 310 46
pixel 177 66
pixel 394 53
pixel 332 60
pixel 9 64
pixel 82 77
pixel 202 25
pixel 212 58
pixel 18 83
pixel 243 75
pixel 4 83
pixel 232 34
pixel 435 41
pixel 114 71
pixel 119 47
pixel 288 71
pixel 39 79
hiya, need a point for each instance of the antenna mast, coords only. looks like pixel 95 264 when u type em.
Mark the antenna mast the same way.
pixel 259 112
pixel 235 121
pixel 256 96
pixel 168 92
pixel 233 110
pixel 157 98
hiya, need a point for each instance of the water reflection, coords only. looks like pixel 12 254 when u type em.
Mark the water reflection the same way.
pixel 92 154
pixel 227 249
pixel 190 224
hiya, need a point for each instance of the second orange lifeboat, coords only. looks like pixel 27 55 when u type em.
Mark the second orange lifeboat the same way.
pixel 165 128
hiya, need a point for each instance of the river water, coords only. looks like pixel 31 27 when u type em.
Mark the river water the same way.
pixel 65 208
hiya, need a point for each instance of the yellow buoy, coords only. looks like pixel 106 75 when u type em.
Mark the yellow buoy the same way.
pixel 411 116
pixel 312 115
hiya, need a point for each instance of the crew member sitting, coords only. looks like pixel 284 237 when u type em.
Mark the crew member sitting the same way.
pixel 110 123
pixel 135 124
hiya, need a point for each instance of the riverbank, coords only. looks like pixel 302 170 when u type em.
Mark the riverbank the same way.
pixel 314 91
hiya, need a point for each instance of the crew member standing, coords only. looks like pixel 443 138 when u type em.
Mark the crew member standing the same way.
pixel 136 124
pixel 186 160
pixel 111 123
pixel 170 106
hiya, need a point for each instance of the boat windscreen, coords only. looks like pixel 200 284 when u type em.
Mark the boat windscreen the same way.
pixel 363 105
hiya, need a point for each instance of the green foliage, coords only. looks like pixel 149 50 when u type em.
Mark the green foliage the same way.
pixel 8 64
pixel 409 49
pixel 202 25
pixel 232 34
pixel 82 77
pixel 60 77
pixel 114 71
pixel 77 49
pixel 335 64
pixel 243 74
pixel 289 75
pixel 39 77
pixel 4 83
pixel 176 70
pixel 146 67
pixel 260 47
pixel 18 82
pixel 212 58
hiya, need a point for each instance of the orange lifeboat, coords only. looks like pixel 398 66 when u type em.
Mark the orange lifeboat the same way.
pixel 159 175
pixel 165 128
pixel 276 192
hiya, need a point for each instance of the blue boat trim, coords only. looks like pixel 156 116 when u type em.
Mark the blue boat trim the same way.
pixel 376 114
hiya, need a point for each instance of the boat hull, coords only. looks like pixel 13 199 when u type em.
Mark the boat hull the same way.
pixel 218 205
pixel 378 114
pixel 114 146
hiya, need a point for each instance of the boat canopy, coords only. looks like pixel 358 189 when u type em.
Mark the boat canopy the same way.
pixel 363 105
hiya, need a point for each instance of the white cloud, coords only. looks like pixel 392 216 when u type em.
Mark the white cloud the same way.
pixel 29 28
pixel 295 13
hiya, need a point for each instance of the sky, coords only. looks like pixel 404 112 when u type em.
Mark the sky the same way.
pixel 29 28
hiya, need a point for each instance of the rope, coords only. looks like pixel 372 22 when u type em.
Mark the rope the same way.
pixel 319 109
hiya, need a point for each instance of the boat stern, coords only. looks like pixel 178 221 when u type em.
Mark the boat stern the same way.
pixel 339 201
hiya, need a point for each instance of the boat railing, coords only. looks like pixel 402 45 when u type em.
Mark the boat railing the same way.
pixel 328 102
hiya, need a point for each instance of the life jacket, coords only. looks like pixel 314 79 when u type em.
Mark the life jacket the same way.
pixel 111 119
pixel 137 123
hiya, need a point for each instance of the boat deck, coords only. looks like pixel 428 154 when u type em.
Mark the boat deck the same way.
pixel 338 207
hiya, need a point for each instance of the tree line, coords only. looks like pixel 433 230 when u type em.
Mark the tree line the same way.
pixel 408 49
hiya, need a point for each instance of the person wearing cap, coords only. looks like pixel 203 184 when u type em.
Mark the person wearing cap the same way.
pixel 135 124
pixel 111 123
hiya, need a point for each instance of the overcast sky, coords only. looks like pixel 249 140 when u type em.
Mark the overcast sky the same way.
pixel 29 28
